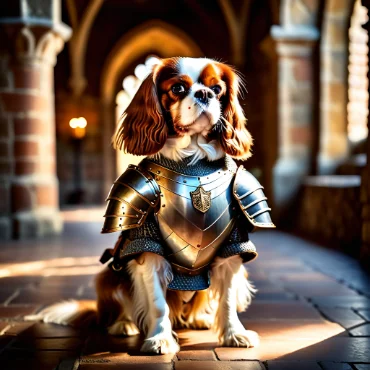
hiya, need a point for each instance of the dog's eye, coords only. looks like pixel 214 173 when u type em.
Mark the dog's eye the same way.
pixel 216 89
pixel 178 89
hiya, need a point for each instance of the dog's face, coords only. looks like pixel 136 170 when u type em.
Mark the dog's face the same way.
pixel 183 97
pixel 192 95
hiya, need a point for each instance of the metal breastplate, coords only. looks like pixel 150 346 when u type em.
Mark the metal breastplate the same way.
pixel 195 217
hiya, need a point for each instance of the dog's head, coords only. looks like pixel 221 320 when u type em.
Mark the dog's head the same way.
pixel 183 97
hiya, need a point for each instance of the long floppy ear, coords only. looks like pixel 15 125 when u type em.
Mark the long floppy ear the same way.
pixel 235 139
pixel 143 130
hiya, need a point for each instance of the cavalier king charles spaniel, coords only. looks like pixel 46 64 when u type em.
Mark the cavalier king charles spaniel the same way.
pixel 187 109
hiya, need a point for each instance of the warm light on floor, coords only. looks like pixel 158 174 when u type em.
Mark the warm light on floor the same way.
pixel 53 267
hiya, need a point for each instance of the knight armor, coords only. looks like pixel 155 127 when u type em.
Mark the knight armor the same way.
pixel 189 218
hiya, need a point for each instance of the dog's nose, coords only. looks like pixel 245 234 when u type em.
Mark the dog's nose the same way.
pixel 204 95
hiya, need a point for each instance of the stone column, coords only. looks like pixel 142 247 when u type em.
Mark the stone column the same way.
pixel 28 184
pixel 365 179
pixel 334 85
pixel 294 45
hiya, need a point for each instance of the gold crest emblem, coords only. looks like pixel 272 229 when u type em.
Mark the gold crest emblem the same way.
pixel 201 199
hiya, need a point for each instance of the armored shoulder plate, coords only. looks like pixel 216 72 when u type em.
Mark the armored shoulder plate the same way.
pixel 133 195
pixel 252 201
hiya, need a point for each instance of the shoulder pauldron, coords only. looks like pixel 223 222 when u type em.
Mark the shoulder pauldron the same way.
pixel 252 201
pixel 133 195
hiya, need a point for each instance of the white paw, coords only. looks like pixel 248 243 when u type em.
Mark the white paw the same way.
pixel 160 344
pixel 123 327
pixel 240 338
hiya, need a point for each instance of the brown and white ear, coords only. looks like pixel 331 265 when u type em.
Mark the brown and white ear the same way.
pixel 143 130
pixel 235 139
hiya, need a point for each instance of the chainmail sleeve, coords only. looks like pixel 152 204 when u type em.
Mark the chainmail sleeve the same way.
pixel 239 243
pixel 145 238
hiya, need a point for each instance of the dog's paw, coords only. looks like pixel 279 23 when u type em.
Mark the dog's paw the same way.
pixel 123 327
pixel 160 344
pixel 240 338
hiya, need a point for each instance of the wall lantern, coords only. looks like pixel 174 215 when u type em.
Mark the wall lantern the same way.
pixel 78 126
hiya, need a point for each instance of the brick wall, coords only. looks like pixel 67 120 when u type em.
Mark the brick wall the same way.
pixel 29 188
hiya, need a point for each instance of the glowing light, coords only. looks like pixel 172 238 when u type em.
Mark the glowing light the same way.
pixel 151 61
pixel 357 108
pixel 129 84
pixel 141 71
pixel 79 127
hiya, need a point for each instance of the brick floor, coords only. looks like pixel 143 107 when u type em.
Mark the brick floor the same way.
pixel 312 310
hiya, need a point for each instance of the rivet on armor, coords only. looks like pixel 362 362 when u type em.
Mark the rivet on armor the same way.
pixel 198 245
pixel 158 172
pixel 152 203
pixel 184 181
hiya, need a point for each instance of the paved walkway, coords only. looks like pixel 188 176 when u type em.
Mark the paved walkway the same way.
pixel 312 310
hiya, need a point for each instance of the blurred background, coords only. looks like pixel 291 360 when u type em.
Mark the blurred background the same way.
pixel 69 68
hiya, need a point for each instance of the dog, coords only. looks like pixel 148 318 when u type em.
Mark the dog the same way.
pixel 179 262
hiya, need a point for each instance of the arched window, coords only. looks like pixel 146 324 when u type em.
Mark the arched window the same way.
pixel 358 83
pixel 130 85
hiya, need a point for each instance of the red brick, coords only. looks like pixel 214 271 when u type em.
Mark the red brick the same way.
pixel 27 126
pixel 46 195
pixel 301 135
pixel 25 148
pixel 302 69
pixel 21 198
pixel 24 167
pixel 199 355
pixel 20 102
pixel 26 77
pixel 48 344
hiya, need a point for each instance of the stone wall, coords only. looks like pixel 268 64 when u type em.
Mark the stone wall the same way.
pixel 330 211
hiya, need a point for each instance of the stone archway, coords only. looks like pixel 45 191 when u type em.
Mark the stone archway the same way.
pixel 151 37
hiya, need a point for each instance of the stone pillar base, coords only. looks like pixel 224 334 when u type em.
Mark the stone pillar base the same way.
pixel 37 224
pixel 287 178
